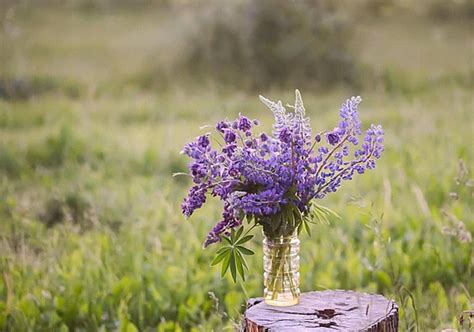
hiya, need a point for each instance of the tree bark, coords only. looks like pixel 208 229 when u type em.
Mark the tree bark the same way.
pixel 330 310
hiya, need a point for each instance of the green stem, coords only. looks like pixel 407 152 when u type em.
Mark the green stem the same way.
pixel 248 230
pixel 278 266
pixel 279 259
pixel 244 289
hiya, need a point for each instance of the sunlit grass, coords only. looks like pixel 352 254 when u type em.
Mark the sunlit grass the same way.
pixel 93 222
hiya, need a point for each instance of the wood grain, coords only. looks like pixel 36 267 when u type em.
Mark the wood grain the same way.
pixel 330 310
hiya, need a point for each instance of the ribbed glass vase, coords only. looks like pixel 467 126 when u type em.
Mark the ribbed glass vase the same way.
pixel 281 263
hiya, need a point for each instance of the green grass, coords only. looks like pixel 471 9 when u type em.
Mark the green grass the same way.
pixel 91 235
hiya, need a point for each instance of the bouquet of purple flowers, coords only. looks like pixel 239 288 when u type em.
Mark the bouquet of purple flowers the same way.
pixel 273 179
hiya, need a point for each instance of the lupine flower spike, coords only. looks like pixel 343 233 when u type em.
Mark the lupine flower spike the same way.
pixel 264 177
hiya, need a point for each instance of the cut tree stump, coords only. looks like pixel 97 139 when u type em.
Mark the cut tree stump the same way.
pixel 330 310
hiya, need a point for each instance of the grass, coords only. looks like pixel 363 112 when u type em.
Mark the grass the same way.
pixel 91 237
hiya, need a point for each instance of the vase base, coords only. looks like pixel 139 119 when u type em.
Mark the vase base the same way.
pixel 282 302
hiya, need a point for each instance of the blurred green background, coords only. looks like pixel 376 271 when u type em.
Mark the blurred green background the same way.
pixel 97 98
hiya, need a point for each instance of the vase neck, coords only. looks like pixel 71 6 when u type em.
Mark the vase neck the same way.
pixel 281 239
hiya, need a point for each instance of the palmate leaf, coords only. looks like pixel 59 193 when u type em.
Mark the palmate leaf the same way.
pixel 304 225
pixel 233 267
pixel 231 255
pixel 319 216
pixel 236 235
pixel 225 264
pixel 322 214
pixel 227 239
pixel 244 239
pixel 220 255
pixel 244 262
pixel 220 250
pixel 307 228
pixel 327 211
pixel 244 250
pixel 239 265
pixel 317 213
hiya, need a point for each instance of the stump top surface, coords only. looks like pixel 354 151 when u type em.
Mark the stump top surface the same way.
pixel 324 311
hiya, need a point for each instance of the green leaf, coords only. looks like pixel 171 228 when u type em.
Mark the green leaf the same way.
pixel 225 264
pixel 233 269
pixel 219 257
pixel 222 250
pixel 228 240
pixel 238 234
pixel 244 262
pixel 250 218
pixel 310 219
pixel 300 227
pixel 241 215
pixel 307 228
pixel 276 222
pixel 321 217
pixel 244 239
pixel 298 214
pixel 327 212
pixel 244 250
pixel 240 267
pixel 289 216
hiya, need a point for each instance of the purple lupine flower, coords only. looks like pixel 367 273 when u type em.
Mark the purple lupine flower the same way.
pixel 323 150
pixel 229 136
pixel 203 141
pixel 253 176
pixel 332 138
pixel 195 199
pixel 244 123
pixel 285 135
pixel 349 116
pixel 229 149
pixel 228 222
pixel 222 125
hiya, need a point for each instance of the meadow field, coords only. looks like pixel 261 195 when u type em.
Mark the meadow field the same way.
pixel 91 232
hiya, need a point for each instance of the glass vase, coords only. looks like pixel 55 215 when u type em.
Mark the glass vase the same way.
pixel 281 263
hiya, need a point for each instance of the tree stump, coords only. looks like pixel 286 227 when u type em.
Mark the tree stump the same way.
pixel 324 311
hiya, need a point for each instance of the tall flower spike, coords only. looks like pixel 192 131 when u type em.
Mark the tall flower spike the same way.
pixel 299 107
pixel 282 118
pixel 349 116
pixel 300 119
